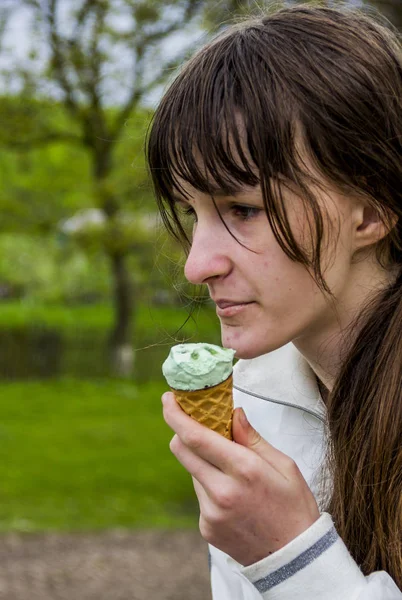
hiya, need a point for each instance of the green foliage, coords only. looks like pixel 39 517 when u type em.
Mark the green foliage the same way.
pixel 31 121
pixel 57 268
pixel 42 186
pixel 105 47
pixel 48 182
pixel 221 14
pixel 144 12
pixel 218 15
pixel 43 271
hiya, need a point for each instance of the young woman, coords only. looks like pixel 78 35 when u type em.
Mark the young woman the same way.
pixel 281 141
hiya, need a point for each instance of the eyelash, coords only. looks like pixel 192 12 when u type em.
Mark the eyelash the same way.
pixel 247 212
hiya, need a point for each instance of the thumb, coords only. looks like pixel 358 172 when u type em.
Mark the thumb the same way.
pixel 244 433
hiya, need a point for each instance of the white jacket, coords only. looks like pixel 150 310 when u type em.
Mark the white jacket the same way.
pixel 280 396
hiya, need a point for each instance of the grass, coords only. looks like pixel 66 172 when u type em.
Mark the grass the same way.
pixel 25 313
pixel 74 338
pixel 150 321
pixel 84 455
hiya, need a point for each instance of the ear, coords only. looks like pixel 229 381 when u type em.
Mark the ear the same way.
pixel 370 226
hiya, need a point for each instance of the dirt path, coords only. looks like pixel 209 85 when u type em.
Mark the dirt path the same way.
pixel 145 565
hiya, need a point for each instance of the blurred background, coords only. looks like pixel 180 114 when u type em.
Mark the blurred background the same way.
pixel 91 299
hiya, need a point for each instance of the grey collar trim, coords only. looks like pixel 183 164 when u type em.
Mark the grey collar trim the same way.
pixel 307 410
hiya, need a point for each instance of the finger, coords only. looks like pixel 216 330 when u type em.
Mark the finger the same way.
pixel 209 513
pixel 206 504
pixel 206 473
pixel 202 494
pixel 205 443
pixel 245 435
pixel 199 490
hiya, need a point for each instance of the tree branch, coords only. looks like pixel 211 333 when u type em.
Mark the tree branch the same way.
pixel 95 65
pixel 58 62
pixel 34 3
pixel 139 92
pixel 189 13
pixel 84 11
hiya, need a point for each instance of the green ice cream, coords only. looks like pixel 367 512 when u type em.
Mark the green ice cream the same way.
pixel 197 366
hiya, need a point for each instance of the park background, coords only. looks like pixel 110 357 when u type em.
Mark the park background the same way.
pixel 92 294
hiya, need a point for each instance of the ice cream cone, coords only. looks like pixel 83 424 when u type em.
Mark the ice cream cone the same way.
pixel 211 406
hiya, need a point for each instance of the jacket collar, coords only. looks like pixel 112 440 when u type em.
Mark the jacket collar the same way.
pixel 282 375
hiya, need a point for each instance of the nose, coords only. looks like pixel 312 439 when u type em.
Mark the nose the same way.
pixel 209 256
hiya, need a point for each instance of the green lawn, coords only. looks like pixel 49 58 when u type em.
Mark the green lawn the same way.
pixel 77 338
pixel 80 455
pixel 154 322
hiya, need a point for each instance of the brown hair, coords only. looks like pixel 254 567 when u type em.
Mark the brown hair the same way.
pixel 336 74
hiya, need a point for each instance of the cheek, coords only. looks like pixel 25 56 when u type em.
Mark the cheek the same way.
pixel 278 277
pixel 337 261
pixel 289 300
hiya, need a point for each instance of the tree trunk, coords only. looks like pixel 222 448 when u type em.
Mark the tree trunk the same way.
pixel 121 353
pixel 120 342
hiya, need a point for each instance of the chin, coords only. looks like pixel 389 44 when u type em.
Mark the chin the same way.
pixel 245 349
pixel 247 353
pixel 249 346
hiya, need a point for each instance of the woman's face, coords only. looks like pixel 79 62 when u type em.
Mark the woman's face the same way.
pixel 263 298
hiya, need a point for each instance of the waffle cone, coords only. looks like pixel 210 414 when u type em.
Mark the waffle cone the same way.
pixel 212 407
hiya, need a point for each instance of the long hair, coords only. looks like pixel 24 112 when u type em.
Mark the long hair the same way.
pixel 333 77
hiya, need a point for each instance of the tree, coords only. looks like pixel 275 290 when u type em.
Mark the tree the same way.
pixel 391 9
pixel 98 60
pixel 224 11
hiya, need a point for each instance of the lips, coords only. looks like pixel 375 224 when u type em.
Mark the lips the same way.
pixel 231 308
pixel 226 303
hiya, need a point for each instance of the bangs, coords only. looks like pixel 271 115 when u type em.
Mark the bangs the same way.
pixel 284 101
pixel 231 119
pixel 208 130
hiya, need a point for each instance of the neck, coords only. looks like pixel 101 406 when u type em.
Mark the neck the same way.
pixel 326 345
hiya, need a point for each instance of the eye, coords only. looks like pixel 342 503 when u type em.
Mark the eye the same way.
pixel 189 212
pixel 245 213
pixel 186 211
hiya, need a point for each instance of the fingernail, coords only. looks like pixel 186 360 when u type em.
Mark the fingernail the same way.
pixel 243 418
pixel 164 398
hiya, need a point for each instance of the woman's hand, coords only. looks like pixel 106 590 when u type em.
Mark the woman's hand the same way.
pixel 253 498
